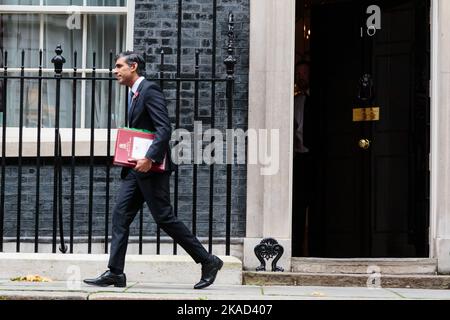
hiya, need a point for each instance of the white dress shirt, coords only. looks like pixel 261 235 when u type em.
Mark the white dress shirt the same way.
pixel 136 84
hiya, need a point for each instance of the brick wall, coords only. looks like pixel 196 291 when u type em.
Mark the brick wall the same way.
pixel 155 29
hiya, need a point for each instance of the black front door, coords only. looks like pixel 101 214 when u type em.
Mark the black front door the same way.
pixel 370 93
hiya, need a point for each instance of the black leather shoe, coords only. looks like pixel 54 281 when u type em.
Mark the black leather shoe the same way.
pixel 107 279
pixel 209 272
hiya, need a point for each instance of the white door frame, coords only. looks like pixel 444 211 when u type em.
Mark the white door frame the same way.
pixel 434 104
pixel 268 101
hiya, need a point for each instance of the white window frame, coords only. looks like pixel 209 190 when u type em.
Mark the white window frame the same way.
pixel 83 134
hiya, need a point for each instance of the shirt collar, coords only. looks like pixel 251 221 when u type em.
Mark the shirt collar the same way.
pixel 136 84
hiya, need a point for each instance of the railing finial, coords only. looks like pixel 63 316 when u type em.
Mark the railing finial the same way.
pixel 58 60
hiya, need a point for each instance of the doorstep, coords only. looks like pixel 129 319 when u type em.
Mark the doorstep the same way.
pixel 412 281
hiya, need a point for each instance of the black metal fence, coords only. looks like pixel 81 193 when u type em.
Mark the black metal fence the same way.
pixel 58 192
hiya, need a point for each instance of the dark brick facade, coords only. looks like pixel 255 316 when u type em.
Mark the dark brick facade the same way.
pixel 156 29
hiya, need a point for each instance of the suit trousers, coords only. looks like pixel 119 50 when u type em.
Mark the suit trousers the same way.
pixel 154 189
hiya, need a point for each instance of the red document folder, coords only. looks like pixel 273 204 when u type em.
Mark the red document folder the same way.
pixel 133 144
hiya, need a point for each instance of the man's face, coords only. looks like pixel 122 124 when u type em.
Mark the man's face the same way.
pixel 124 73
pixel 302 74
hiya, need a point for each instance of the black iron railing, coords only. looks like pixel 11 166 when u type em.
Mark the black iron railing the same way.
pixel 71 161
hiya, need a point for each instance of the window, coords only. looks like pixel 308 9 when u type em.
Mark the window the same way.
pixel 84 26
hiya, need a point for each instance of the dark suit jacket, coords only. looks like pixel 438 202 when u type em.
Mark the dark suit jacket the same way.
pixel 149 111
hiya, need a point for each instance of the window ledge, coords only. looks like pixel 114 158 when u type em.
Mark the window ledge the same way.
pixel 82 142
pixel 63 9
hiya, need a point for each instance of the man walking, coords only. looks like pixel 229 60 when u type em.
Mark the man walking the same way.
pixel 147 110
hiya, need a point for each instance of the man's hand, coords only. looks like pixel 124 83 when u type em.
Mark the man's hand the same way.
pixel 143 165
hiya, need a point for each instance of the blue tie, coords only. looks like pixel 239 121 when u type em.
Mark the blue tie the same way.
pixel 130 100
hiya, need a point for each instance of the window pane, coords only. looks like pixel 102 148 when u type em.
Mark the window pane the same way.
pixel 111 3
pixel 13 101
pixel 101 104
pixel 48 102
pixel 105 35
pixel 63 2
pixel 65 106
pixel 20 2
pixel 56 32
pixel 20 32
pixel 102 43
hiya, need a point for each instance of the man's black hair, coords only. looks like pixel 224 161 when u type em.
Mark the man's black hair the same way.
pixel 133 57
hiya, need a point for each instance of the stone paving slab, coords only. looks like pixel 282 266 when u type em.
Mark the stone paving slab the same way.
pixel 138 296
pixel 188 289
pixel 189 296
pixel 61 286
pixel 42 295
pixel 151 291
pixel 336 292
pixel 198 297
pixel 422 294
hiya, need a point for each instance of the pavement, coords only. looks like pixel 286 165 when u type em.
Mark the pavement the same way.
pixel 75 290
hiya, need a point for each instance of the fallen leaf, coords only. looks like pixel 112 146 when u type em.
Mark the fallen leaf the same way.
pixel 318 294
pixel 32 278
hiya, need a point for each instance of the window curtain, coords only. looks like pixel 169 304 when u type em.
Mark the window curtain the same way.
pixel 102 43
pixel 20 32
